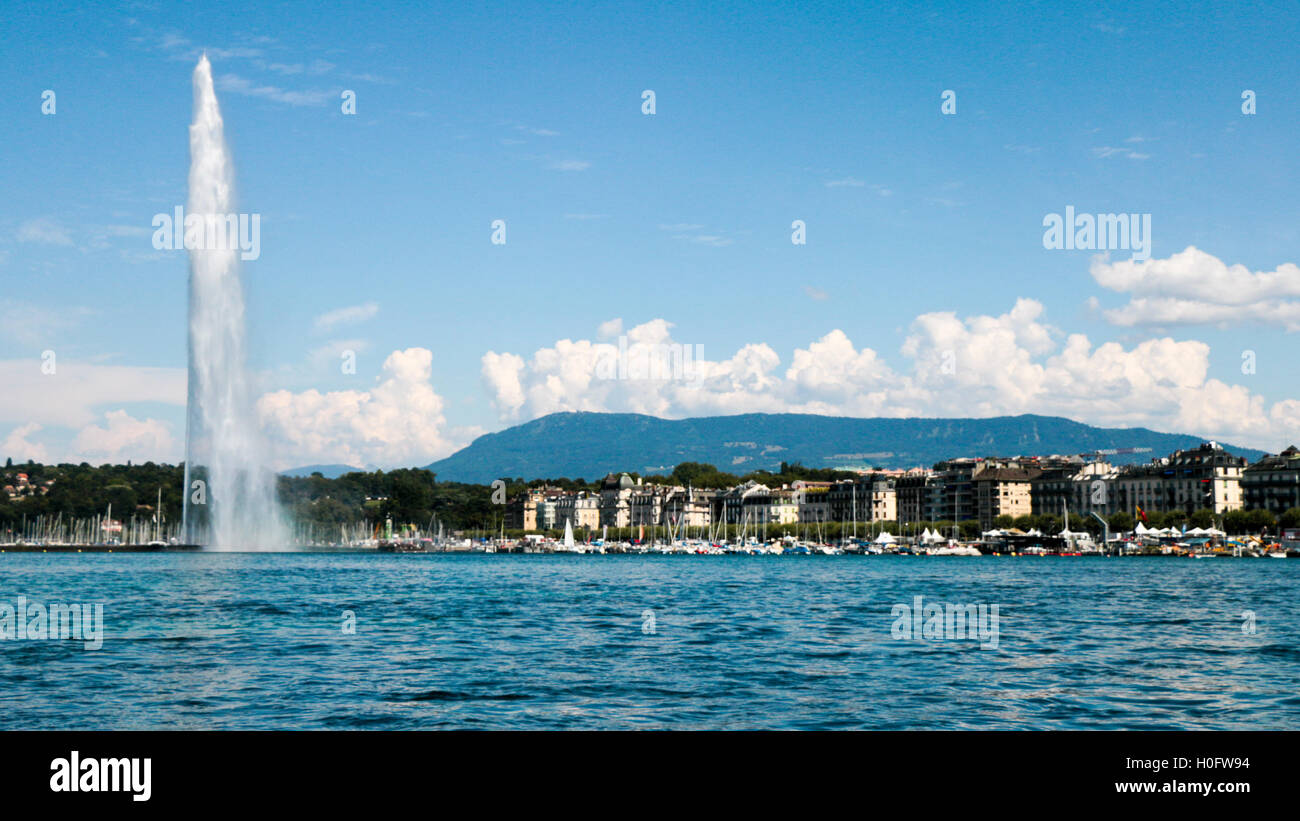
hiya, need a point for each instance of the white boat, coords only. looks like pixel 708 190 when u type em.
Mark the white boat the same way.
pixel 953 550
pixel 1277 554
pixel 568 545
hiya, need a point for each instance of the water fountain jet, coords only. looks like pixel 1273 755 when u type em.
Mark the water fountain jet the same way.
pixel 230 488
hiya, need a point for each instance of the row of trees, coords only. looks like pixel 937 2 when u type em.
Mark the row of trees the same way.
pixel 407 496
pixel 82 491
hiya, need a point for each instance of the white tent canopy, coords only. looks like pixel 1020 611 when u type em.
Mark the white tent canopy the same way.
pixel 885 538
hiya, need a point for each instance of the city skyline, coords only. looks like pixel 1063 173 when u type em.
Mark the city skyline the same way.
pixel 925 287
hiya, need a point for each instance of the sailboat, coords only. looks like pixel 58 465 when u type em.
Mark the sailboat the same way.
pixel 568 546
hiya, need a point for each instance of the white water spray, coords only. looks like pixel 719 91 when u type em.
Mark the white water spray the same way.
pixel 235 508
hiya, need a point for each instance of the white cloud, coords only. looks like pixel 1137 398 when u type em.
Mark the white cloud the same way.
pixel 1194 287
pixel 977 366
pixel 123 438
pixel 716 240
pixel 610 328
pixel 18 447
pixel 330 355
pixel 347 316
pixel 681 226
pixel 33 325
pixel 398 422
pixel 1107 151
pixel 314 67
pixel 44 231
pixel 71 396
pixel 236 84
pixel 854 182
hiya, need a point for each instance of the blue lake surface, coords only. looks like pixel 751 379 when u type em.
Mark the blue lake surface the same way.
pixel 257 641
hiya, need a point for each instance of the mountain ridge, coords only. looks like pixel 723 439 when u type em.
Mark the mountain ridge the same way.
pixel 587 444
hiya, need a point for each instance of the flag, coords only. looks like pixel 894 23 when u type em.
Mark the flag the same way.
pixel 1142 513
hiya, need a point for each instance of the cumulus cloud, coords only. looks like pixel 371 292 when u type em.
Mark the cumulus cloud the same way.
pixel 952 366
pixel 610 328
pixel 123 437
pixel 1194 288
pixel 18 447
pixel 398 422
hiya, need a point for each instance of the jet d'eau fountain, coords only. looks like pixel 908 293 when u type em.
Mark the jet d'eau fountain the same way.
pixel 230 499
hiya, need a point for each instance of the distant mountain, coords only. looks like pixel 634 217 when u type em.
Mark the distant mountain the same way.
pixel 589 445
pixel 328 471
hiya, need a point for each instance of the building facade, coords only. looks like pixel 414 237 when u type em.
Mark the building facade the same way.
pixel 1273 483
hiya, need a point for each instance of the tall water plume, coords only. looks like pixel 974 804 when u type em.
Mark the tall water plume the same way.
pixel 234 505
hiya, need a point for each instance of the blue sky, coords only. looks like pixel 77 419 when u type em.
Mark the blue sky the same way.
pixel 924 230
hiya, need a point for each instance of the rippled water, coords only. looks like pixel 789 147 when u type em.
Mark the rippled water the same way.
pixel 249 641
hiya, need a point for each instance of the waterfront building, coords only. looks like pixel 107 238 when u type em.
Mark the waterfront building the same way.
pixel 546 514
pixel 646 505
pixel 1001 491
pixel 812 500
pixel 581 510
pixel 521 511
pixel 955 501
pixel 1074 485
pixel 884 500
pixel 1093 490
pixel 1205 477
pixel 864 499
pixel 1273 483
pixel 731 506
pixel 917 494
pixel 688 507
pixel 615 500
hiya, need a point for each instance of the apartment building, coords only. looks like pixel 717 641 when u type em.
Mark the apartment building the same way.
pixel 1205 477
pixel 1002 491
pixel 1273 483
pixel 616 500
pixel 812 500
pixel 581 510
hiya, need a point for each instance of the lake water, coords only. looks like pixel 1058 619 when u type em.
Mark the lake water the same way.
pixel 259 641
